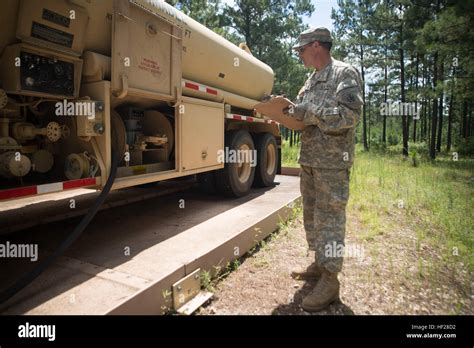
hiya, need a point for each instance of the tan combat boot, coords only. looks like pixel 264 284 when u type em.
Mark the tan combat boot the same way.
pixel 325 292
pixel 312 272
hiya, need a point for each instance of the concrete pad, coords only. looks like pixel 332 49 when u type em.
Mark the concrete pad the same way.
pixel 129 256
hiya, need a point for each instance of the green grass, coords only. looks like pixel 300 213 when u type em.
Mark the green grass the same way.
pixel 289 155
pixel 434 199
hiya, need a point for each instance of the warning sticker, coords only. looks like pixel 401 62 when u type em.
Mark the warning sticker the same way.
pixel 150 66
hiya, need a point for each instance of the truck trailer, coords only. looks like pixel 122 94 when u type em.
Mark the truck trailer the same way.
pixel 87 82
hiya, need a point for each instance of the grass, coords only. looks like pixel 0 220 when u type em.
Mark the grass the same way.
pixel 434 199
pixel 289 155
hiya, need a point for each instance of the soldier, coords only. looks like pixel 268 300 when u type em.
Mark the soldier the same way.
pixel 329 105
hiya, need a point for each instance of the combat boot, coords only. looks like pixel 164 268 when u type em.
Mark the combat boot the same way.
pixel 325 292
pixel 312 272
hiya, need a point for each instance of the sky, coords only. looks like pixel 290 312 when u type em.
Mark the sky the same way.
pixel 321 16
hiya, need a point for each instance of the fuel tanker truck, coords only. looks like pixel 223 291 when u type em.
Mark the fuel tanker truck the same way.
pixel 128 92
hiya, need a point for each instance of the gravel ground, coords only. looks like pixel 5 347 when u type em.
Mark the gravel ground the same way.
pixel 396 275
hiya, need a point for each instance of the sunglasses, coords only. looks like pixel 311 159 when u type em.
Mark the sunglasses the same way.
pixel 301 49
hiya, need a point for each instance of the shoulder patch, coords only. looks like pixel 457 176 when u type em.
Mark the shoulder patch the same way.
pixel 348 93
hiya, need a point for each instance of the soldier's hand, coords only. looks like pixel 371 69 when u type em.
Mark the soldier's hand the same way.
pixel 297 111
pixel 267 98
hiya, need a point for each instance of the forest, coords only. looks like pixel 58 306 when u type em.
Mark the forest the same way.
pixel 416 58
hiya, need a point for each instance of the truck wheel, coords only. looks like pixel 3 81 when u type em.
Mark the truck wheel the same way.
pixel 267 160
pixel 118 134
pixel 236 178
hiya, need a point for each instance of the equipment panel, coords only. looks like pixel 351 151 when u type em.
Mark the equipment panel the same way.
pixel 47 75
pixel 202 133
pixel 32 71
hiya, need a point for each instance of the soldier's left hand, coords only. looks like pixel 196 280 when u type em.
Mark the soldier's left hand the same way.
pixel 267 98
pixel 298 111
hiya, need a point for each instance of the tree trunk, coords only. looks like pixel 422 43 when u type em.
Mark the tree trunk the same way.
pixel 384 125
pixel 440 111
pixel 428 122
pixel 422 119
pixel 364 111
pixel 368 107
pixel 450 120
pixel 434 117
pixel 464 120
pixel 402 90
pixel 427 105
pixel 416 99
pixel 469 122
pixel 440 123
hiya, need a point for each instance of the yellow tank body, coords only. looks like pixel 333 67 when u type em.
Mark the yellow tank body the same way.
pixel 207 57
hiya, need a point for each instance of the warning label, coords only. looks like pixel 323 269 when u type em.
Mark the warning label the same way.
pixel 150 66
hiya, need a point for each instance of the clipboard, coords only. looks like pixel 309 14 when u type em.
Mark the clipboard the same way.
pixel 273 108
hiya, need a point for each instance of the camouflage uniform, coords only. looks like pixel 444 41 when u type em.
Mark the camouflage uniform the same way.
pixel 332 102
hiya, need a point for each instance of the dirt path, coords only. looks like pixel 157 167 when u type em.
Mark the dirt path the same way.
pixel 396 275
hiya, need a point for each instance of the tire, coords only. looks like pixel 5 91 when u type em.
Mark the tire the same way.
pixel 207 182
pixel 118 134
pixel 267 160
pixel 236 178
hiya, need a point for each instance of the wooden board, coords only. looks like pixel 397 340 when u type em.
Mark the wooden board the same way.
pixel 273 108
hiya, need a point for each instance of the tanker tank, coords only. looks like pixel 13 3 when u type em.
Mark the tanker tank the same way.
pixel 207 57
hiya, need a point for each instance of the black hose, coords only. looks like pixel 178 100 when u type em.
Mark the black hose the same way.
pixel 27 278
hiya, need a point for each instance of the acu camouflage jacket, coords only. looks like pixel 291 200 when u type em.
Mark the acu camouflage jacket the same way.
pixel 333 98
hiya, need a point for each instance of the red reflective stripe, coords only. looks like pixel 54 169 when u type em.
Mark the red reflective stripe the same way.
pixel 33 190
pixel 211 91
pixel 192 86
pixel 78 183
pixel 18 192
pixel 200 88
pixel 249 119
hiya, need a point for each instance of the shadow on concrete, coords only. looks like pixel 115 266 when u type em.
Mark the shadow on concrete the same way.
pixel 138 226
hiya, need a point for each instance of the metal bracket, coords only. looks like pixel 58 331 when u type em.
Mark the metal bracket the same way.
pixel 186 291
pixel 186 288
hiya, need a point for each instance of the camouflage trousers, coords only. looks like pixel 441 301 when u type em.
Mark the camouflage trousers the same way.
pixel 325 193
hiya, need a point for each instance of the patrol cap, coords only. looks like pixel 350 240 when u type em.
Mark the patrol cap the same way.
pixel 313 34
